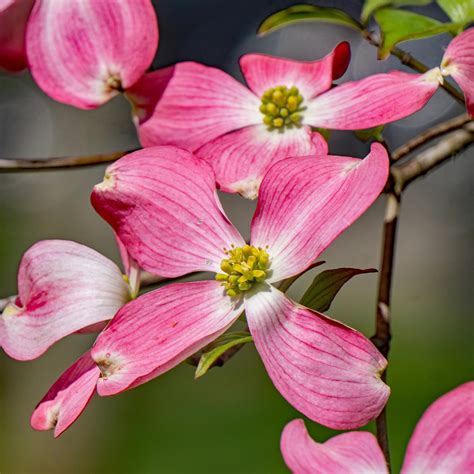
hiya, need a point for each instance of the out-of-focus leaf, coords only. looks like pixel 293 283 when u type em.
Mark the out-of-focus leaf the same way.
pixel 460 11
pixel 370 133
pixel 326 285
pixel 218 348
pixel 298 13
pixel 399 25
pixel 370 6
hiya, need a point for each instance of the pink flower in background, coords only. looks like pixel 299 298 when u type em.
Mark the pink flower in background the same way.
pixel 458 62
pixel 243 131
pixel 162 203
pixel 83 53
pixel 63 287
pixel 443 442
pixel 13 18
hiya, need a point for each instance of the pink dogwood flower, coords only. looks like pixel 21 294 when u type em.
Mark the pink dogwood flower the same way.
pixel 242 131
pixel 162 203
pixel 83 53
pixel 13 17
pixel 64 287
pixel 458 62
pixel 443 442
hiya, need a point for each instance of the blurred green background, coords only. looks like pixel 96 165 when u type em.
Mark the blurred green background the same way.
pixel 231 419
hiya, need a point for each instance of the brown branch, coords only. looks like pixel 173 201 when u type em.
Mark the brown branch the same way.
pixel 382 336
pixel 29 164
pixel 410 61
pixel 451 143
pixel 436 131
pixel 401 175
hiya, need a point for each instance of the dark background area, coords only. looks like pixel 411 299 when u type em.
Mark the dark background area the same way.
pixel 231 419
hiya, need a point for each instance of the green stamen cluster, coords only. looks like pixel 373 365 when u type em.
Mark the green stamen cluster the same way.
pixel 281 106
pixel 244 267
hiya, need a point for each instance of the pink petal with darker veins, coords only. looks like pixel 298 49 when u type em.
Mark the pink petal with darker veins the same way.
pixel 311 77
pixel 350 453
pixel 327 371
pixel 63 287
pixel 372 101
pixel 306 202
pixel 83 53
pixel 162 203
pixel 199 103
pixel 68 397
pixel 241 158
pixel 458 61
pixel 443 440
pixel 13 17
pixel 159 330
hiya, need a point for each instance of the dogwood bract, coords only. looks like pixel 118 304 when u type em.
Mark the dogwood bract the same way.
pixel 458 62
pixel 83 53
pixel 63 287
pixel 162 203
pixel 443 442
pixel 242 132
pixel 13 17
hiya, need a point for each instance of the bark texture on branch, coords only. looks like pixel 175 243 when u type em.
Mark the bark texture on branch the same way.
pixel 29 164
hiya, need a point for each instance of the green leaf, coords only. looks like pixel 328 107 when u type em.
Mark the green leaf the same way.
pixel 399 25
pixel 299 13
pixel 370 133
pixel 370 6
pixel 221 345
pixel 459 11
pixel 325 132
pixel 327 284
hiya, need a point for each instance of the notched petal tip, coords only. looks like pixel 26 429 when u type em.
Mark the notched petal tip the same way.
pixel 106 184
pixel 434 75
pixel 247 188
pixel 109 364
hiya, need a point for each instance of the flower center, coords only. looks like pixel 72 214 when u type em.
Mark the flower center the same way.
pixel 244 267
pixel 281 107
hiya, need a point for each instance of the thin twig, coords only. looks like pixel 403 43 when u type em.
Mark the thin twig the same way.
pixel 29 164
pixel 410 61
pixel 451 143
pixel 428 135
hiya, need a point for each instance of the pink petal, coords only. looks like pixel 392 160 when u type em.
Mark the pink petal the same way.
pixel 63 286
pixel 162 203
pixel 241 158
pixel 83 53
pixel 198 104
pixel 443 440
pixel 306 202
pixel 159 330
pixel 311 77
pixel 13 17
pixel 327 371
pixel 458 61
pixel 131 267
pixel 372 101
pixel 68 397
pixel 356 452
